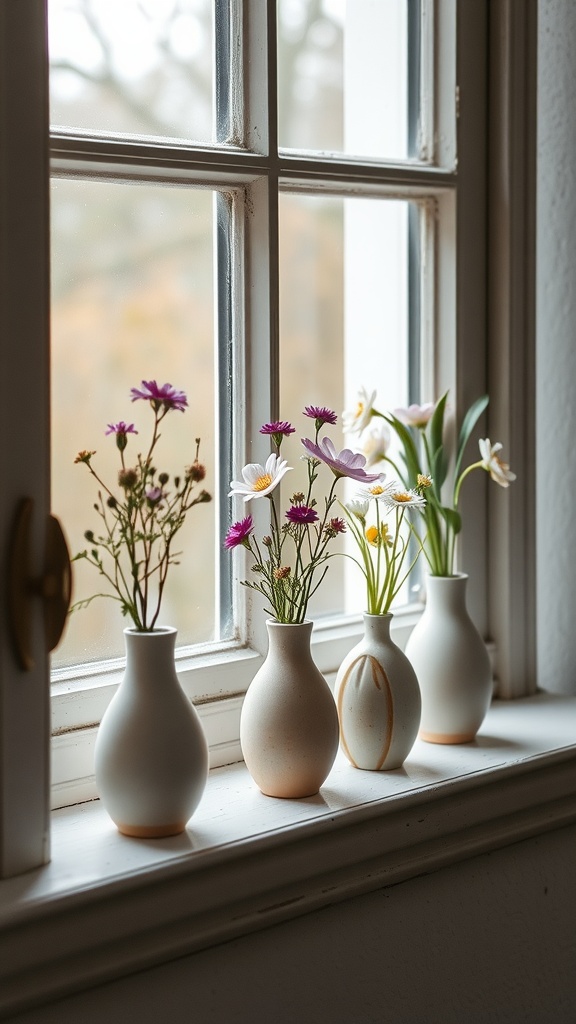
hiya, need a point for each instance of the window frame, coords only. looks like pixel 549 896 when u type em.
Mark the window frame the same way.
pixel 464 308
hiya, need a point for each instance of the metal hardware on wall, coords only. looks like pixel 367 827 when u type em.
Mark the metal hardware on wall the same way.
pixel 53 586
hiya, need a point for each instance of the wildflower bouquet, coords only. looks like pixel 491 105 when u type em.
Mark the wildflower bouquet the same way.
pixel 428 466
pixel 291 561
pixel 383 550
pixel 133 551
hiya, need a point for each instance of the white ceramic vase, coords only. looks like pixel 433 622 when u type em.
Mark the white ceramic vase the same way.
pixel 289 724
pixel 378 700
pixel 452 664
pixel 151 755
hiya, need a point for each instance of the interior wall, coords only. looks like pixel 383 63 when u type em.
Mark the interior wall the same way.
pixel 492 939
pixel 556 347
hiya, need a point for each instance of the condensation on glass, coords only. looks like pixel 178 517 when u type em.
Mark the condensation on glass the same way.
pixel 132 299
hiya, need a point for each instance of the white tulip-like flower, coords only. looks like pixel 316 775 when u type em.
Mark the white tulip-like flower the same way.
pixel 499 471
pixel 415 415
pixel 260 480
pixel 375 441
pixel 354 421
pixel 358 507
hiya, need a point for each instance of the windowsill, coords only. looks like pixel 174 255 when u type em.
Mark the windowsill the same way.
pixel 107 905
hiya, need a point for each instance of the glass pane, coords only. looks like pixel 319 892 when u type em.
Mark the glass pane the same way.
pixel 343 74
pixel 132 294
pixel 136 66
pixel 343 324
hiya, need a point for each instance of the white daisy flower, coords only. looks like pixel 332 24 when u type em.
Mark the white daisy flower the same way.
pixel 355 420
pixel 499 471
pixel 400 497
pixel 260 480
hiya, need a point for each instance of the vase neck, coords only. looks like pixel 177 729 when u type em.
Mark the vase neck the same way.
pixel 377 626
pixel 150 656
pixel 447 592
pixel 289 639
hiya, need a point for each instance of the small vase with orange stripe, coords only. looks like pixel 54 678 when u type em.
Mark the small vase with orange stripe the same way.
pixel 378 700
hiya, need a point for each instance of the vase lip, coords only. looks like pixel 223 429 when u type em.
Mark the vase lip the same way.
pixel 274 622
pixel 157 631
pixel 448 579
pixel 380 615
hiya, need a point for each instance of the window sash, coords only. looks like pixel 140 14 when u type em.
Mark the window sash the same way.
pixel 459 319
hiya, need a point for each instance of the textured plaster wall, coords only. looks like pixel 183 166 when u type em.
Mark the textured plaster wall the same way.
pixel 556 346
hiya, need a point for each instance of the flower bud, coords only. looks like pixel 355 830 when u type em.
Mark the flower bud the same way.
pixel 196 471
pixel 127 478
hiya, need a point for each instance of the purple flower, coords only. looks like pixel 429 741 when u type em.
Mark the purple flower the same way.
pixel 344 463
pixel 165 396
pixel 278 427
pixel 239 532
pixel 321 414
pixel 154 495
pixel 302 514
pixel 337 525
pixel 121 428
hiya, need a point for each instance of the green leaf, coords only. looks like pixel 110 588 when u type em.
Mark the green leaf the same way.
pixel 410 453
pixel 469 422
pixel 453 518
pixel 439 468
pixel 436 428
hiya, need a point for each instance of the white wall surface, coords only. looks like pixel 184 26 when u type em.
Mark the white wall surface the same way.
pixel 489 941
pixel 556 346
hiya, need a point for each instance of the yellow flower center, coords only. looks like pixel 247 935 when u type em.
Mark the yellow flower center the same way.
pixel 359 410
pixel 402 496
pixel 377 489
pixel 263 482
pixel 372 534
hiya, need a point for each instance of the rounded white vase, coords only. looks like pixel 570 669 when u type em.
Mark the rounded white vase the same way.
pixel 289 724
pixel 151 755
pixel 378 700
pixel 452 664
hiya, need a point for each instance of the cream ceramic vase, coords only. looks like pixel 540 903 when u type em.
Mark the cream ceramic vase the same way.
pixel 289 724
pixel 451 663
pixel 151 755
pixel 378 700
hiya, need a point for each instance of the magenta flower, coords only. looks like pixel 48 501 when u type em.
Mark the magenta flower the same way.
pixel 301 515
pixel 160 396
pixel 321 414
pixel 121 428
pixel 154 495
pixel 338 525
pixel 239 532
pixel 344 463
pixel 278 427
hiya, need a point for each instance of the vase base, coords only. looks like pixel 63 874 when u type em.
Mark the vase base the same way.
pixel 288 795
pixel 442 737
pixel 152 831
